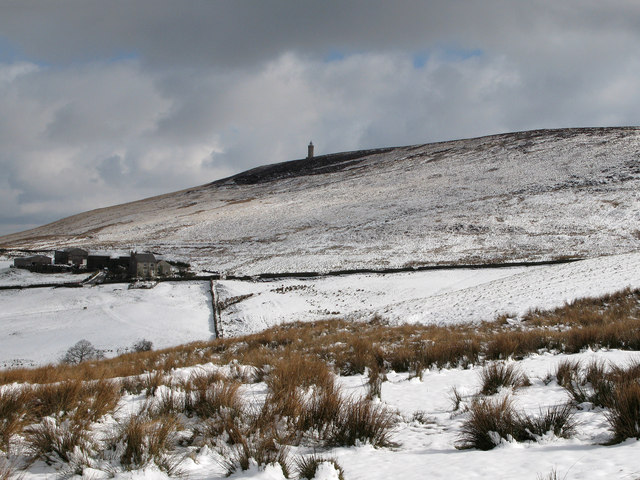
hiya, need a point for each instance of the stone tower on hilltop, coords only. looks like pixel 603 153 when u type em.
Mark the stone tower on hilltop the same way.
pixel 310 150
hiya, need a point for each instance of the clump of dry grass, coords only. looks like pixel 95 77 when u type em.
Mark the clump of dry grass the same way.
pixel 262 451
pixel 57 399
pixel 490 422
pixel 53 441
pixel 152 381
pixel 13 414
pixel 558 420
pixel 361 420
pixel 307 466
pixel 99 398
pixel 586 384
pixel 301 395
pixel 8 470
pixel 376 375
pixel 497 375
pixel 208 395
pixel 143 440
pixel 624 414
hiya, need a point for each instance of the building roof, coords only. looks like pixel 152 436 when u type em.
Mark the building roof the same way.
pixel 144 257
pixel 76 251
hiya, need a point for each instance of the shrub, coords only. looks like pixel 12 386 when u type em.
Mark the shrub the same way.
pixel 497 375
pixel 80 352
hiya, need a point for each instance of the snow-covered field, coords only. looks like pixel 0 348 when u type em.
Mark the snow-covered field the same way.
pixel 430 297
pixel 38 325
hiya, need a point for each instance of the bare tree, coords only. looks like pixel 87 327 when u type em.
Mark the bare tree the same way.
pixel 81 351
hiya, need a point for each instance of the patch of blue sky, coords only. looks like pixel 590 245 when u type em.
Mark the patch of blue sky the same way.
pixel 445 54
pixel 124 56
pixel 334 56
pixel 10 52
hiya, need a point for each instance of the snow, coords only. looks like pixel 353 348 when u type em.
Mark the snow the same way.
pixel 524 196
pixel 429 297
pixel 38 325
pixel 19 276
pixel 428 430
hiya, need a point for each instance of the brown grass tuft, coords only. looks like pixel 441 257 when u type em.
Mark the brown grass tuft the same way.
pixel 489 423
pixel 497 375
pixel 13 414
pixel 53 441
pixel 361 420
pixel 147 440
pixel 624 415
pixel 307 467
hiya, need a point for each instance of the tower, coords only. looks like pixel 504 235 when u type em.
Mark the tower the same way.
pixel 310 150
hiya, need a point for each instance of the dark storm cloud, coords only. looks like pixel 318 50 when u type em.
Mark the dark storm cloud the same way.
pixel 106 102
pixel 241 32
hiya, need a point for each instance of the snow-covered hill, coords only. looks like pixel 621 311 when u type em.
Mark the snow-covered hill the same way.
pixel 522 196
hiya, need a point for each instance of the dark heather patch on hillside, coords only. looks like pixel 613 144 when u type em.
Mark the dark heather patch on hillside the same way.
pixel 299 168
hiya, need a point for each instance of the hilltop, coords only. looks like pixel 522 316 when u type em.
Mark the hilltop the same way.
pixel 525 196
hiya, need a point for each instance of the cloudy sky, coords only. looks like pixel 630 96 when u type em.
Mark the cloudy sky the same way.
pixel 103 102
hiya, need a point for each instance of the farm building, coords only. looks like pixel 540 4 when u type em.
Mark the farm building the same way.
pixel 33 261
pixel 142 265
pixel 73 256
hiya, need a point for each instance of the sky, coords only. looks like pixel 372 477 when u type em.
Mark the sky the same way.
pixel 105 102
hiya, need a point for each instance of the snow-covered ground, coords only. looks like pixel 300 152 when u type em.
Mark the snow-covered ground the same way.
pixel 434 297
pixel 427 432
pixel 38 325
pixel 19 276
pixel 428 449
